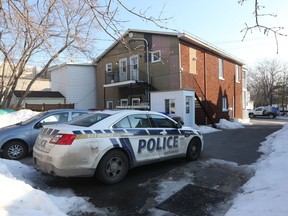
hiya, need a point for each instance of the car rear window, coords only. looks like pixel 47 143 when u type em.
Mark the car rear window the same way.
pixel 88 120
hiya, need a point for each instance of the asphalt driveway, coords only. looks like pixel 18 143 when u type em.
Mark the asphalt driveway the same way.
pixel 178 187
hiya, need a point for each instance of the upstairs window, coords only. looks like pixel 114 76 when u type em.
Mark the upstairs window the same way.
pixel 224 104
pixel 237 74
pixel 156 56
pixel 108 67
pixel 220 69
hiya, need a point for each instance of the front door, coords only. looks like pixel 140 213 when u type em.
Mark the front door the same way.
pixel 123 69
pixel 134 67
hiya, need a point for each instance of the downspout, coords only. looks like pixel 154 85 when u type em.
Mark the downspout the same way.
pixel 205 86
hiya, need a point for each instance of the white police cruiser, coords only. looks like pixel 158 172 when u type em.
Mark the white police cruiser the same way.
pixel 107 143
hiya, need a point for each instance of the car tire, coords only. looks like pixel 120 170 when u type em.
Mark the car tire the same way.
pixel 251 115
pixel 271 116
pixel 194 149
pixel 14 150
pixel 113 167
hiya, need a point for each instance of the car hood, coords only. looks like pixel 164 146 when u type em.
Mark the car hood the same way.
pixel 11 128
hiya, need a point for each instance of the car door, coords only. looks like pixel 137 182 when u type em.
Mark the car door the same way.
pixel 258 111
pixel 48 120
pixel 170 141
pixel 136 140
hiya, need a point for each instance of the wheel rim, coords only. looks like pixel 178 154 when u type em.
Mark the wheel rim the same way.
pixel 15 151
pixel 114 167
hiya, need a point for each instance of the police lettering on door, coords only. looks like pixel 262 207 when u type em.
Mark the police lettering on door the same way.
pixel 158 144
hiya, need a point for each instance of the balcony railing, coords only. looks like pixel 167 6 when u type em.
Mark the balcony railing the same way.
pixel 117 76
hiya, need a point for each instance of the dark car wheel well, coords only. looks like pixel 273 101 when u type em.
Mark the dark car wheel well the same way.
pixel 15 140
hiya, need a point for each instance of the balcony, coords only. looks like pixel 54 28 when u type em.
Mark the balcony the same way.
pixel 133 75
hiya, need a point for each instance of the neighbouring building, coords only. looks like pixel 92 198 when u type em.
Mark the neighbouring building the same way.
pixel 77 82
pixel 36 100
pixel 141 62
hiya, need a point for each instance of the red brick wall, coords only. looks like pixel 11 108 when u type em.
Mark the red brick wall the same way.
pixel 214 88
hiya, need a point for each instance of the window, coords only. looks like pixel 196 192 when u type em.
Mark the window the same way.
pixel 170 106
pixel 108 67
pixel 123 65
pixel 187 104
pixel 237 74
pixel 220 69
pixel 135 101
pixel 134 121
pixel 109 105
pixel 224 104
pixel 124 102
pixel 55 119
pixel 77 114
pixel 88 120
pixel 162 122
pixel 156 56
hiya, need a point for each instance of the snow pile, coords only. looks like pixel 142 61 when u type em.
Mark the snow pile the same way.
pixel 264 194
pixel 225 124
pixel 16 117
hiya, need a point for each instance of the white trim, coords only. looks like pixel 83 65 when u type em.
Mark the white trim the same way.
pixel 120 83
pixel 153 54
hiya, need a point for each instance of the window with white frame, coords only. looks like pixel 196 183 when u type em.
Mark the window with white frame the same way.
pixel 124 102
pixel 220 69
pixel 224 104
pixel 109 105
pixel 237 74
pixel 170 106
pixel 135 101
pixel 108 67
pixel 156 56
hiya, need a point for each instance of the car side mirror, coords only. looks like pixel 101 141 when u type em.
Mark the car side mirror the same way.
pixel 38 125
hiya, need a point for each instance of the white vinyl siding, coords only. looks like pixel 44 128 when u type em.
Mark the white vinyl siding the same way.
pixel 77 83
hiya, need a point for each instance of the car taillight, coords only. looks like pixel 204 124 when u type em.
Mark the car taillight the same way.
pixel 63 139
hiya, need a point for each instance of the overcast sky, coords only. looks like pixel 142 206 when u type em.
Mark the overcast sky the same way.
pixel 218 22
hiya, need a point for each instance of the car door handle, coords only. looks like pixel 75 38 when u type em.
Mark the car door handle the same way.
pixel 163 133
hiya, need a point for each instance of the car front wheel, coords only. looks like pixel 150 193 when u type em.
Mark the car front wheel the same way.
pixel 271 116
pixel 194 149
pixel 113 167
pixel 251 115
pixel 14 150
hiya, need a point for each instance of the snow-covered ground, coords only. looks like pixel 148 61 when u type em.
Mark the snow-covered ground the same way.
pixel 264 194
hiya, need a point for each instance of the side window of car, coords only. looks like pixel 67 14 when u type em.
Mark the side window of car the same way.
pixel 162 122
pixel 124 123
pixel 139 121
pixel 55 119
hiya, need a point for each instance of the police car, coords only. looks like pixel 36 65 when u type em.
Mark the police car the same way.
pixel 106 144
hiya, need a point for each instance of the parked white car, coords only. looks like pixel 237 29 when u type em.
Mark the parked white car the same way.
pixel 107 143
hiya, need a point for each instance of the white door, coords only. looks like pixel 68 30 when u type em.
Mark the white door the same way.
pixel 188 111
pixel 134 67
pixel 123 69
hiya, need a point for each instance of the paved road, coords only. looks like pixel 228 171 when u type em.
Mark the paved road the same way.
pixel 145 189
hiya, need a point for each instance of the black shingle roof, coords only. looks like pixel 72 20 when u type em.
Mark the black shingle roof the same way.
pixel 37 94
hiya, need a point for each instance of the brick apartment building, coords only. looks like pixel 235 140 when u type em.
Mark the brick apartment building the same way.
pixel 144 61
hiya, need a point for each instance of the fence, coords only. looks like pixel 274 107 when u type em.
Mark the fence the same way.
pixel 44 107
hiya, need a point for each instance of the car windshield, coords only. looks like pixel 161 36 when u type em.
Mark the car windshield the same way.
pixel 88 120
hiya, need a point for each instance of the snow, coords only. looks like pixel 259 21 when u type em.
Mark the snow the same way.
pixel 264 194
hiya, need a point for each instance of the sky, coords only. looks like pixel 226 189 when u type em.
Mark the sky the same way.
pixel 218 22
pixel 264 194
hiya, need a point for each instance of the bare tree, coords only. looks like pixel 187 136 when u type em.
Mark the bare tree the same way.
pixel 52 27
pixel 263 82
pixel 275 30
